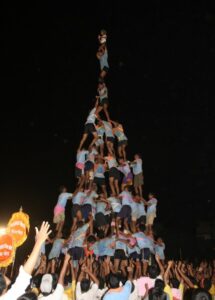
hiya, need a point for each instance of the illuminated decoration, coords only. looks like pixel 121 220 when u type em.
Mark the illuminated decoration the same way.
pixel 18 227
pixel 7 250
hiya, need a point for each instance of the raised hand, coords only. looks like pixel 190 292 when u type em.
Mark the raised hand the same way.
pixel 43 233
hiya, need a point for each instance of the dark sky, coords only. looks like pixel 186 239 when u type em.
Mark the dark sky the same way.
pixel 160 86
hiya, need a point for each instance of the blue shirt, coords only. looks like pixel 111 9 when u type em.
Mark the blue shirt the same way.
pixel 160 251
pixel 126 198
pixel 104 60
pixel 62 199
pixel 99 171
pixel 142 240
pixel 79 198
pixel 79 236
pixel 122 295
pixel 137 166
pixel 152 208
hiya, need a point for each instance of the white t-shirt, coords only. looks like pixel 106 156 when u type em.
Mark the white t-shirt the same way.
pixel 19 286
pixel 91 117
pixel 56 295
pixel 89 295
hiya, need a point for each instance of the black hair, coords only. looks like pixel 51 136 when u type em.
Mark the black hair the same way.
pixel 142 227
pixel 80 224
pixel 175 283
pixel 101 234
pixel 28 296
pixel 85 285
pixel 200 294
pixel 153 271
pixel 2 283
pixel 91 239
pixel 62 187
pixel 157 292
pixel 101 283
pixel 153 194
pixel 114 281
pixel 207 284
pixel 36 280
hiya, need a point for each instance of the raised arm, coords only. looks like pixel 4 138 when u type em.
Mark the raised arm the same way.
pixel 91 275
pixel 41 236
pixel 166 274
pixel 64 268
pixel 184 277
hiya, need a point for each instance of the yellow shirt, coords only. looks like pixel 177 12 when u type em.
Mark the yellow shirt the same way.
pixel 169 291
pixel 70 292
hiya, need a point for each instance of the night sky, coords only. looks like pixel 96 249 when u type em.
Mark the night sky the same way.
pixel 160 88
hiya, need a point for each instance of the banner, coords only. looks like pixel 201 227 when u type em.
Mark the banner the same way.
pixel 18 227
pixel 7 250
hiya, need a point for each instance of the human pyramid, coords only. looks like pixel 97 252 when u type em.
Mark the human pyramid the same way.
pixel 111 221
pixel 111 252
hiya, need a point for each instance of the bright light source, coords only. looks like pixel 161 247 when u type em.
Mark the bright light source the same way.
pixel 2 230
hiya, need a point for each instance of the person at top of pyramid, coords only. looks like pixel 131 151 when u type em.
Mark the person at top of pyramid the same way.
pixel 102 55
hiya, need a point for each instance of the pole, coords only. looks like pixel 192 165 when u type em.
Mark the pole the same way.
pixel 12 268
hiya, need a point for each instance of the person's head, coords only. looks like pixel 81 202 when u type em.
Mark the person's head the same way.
pixel 137 156
pixel 121 160
pixel 63 189
pixel 28 296
pixel 3 284
pixel 80 224
pixel 207 284
pixel 36 280
pixel 101 85
pixel 46 285
pixel 100 234
pixel 91 240
pixel 114 281
pixel 200 294
pixel 159 241
pixel 153 271
pixel 151 195
pixel 142 227
pixel 85 285
pixel 174 283
pixel 157 293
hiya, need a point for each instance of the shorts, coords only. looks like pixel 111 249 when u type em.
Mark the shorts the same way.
pixel 89 128
pixel 76 253
pixel 122 143
pixel 106 69
pixel 128 179
pixel 141 220
pixel 78 172
pixel 145 254
pixel 125 212
pixel 150 219
pixel 89 165
pixel 103 101
pixel 120 254
pixel 99 181
pixel 135 256
pixel 101 219
pixel 75 209
pixel 86 210
pixel 114 172
pixel 138 180
pixel 110 139
pixel 59 218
